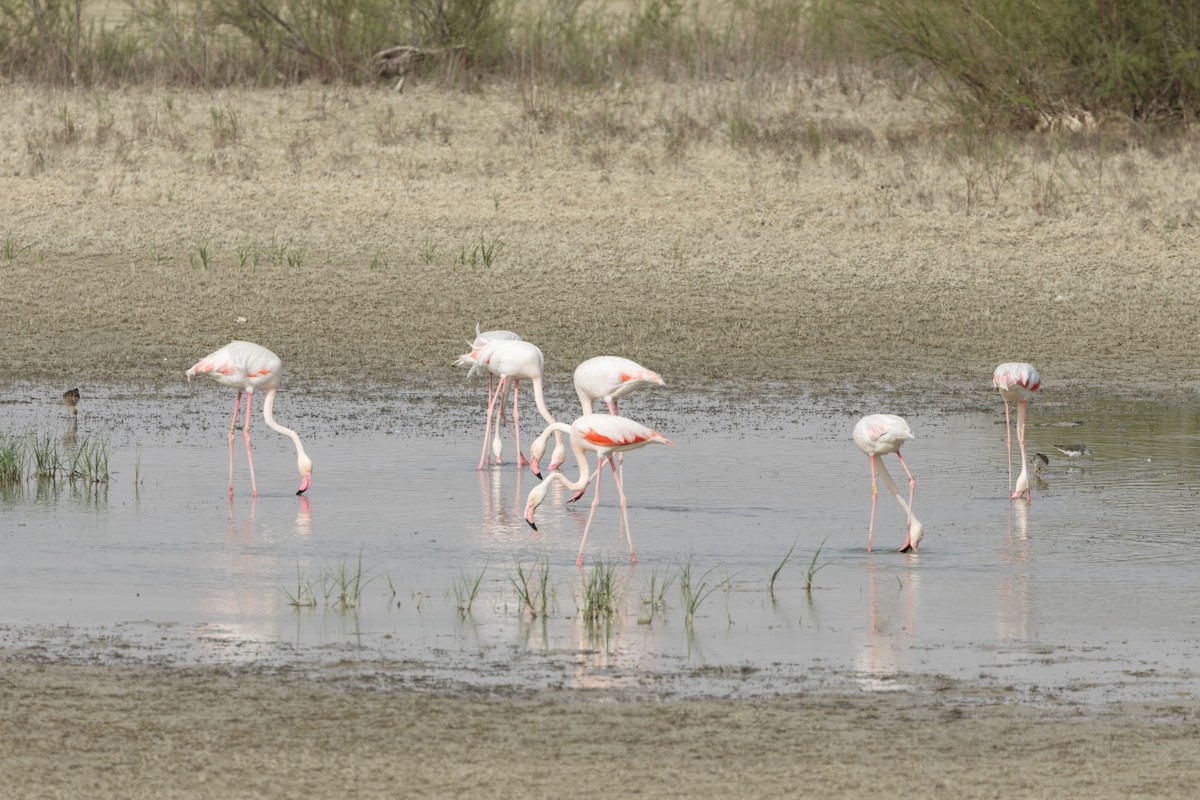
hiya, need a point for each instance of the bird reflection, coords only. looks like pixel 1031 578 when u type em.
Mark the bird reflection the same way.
pixel 304 517
pixel 891 625
pixel 246 525
pixel 1013 591
pixel 502 512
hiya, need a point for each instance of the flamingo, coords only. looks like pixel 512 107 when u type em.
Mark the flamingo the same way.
pixel 513 360
pixel 603 434
pixel 1017 382
pixel 246 367
pixel 71 398
pixel 609 378
pixel 493 336
pixel 878 435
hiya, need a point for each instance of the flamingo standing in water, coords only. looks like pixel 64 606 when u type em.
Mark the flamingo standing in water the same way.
pixel 246 366
pixel 493 336
pixel 878 435
pixel 1017 382
pixel 609 378
pixel 511 360
pixel 603 434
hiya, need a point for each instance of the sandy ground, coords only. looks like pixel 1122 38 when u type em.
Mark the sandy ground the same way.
pixel 829 242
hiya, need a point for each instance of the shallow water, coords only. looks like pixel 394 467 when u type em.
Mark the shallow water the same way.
pixel 1084 595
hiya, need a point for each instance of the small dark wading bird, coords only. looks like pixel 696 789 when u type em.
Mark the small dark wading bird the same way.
pixel 246 366
pixel 1073 450
pixel 71 398
pixel 1040 461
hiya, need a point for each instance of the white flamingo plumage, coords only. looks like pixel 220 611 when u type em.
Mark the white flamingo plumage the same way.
pixel 603 434
pixel 248 367
pixel 609 378
pixel 510 360
pixel 498 335
pixel 1017 382
pixel 878 435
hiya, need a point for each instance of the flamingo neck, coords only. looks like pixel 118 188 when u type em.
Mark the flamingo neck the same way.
pixel 558 428
pixel 889 484
pixel 540 401
pixel 268 405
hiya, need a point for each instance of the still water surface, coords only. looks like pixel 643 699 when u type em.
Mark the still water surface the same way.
pixel 1088 593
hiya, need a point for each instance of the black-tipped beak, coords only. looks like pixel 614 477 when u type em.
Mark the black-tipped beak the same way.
pixel 538 475
pixel 532 525
pixel 299 491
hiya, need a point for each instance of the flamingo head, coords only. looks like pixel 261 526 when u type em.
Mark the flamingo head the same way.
pixel 304 463
pixel 559 455
pixel 536 496
pixel 536 451
pixel 916 533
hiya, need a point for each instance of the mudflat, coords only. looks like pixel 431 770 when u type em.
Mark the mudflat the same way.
pixel 853 241
pixel 844 243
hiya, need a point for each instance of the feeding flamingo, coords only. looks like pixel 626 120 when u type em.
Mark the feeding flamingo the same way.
pixel 603 434
pixel 492 336
pixel 878 435
pixel 511 360
pixel 246 366
pixel 1017 382
pixel 609 378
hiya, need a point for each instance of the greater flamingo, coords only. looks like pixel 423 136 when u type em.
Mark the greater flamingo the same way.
pixel 492 336
pixel 71 398
pixel 609 378
pixel 1017 382
pixel 603 434
pixel 246 366
pixel 513 360
pixel 878 435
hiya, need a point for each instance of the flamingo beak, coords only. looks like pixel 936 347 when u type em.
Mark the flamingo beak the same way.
pixel 305 482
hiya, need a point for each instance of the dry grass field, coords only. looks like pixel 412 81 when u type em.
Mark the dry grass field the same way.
pixel 823 233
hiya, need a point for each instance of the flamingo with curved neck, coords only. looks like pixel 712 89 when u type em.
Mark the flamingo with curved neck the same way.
pixel 1017 382
pixel 603 434
pixel 512 360
pixel 248 367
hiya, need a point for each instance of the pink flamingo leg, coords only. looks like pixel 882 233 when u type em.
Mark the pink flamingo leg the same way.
pixel 599 466
pixel 874 500
pixel 487 429
pixel 624 510
pixel 591 514
pixel 516 422
pixel 246 436
pixel 1023 485
pixel 237 402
